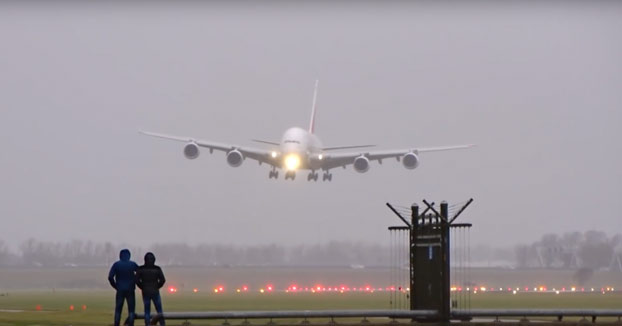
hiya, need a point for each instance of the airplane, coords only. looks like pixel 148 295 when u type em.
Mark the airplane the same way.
pixel 301 149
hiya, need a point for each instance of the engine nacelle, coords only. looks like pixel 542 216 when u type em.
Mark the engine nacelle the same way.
pixel 410 161
pixel 361 164
pixel 235 158
pixel 191 151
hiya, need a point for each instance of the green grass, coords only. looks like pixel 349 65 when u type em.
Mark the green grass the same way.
pixel 99 304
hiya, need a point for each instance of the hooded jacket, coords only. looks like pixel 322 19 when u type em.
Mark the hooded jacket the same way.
pixel 149 277
pixel 121 275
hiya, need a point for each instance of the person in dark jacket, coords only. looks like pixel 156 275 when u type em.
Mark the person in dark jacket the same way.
pixel 122 279
pixel 150 279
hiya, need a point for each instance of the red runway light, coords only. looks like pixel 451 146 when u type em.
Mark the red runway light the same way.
pixel 269 287
pixel 38 307
pixel 83 307
pixel 244 288
pixel 71 308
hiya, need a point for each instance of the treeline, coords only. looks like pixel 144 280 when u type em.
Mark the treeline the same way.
pixel 591 250
pixel 88 253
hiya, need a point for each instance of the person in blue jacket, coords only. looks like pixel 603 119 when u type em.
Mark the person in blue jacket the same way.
pixel 121 278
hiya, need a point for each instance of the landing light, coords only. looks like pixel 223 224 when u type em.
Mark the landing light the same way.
pixel 320 157
pixel 292 162
pixel 274 154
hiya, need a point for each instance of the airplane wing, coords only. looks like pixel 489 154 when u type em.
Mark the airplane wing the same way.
pixel 261 155
pixel 331 161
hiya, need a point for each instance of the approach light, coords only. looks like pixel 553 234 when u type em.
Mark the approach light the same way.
pixel 292 162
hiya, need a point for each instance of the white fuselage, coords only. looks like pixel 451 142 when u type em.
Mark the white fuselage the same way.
pixel 302 144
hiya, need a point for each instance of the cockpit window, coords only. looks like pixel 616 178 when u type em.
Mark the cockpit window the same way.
pixel 292 141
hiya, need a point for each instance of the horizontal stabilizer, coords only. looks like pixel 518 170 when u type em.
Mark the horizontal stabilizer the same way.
pixel 443 148
pixel 346 147
pixel 265 142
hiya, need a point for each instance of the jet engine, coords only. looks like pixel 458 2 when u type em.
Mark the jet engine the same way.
pixel 410 160
pixel 361 164
pixel 235 158
pixel 191 151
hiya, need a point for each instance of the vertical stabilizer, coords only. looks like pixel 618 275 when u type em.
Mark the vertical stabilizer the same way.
pixel 312 123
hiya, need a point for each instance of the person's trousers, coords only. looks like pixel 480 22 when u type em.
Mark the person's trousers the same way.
pixel 131 306
pixel 157 302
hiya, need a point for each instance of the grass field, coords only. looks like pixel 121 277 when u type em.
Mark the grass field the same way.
pixel 22 289
pixel 55 306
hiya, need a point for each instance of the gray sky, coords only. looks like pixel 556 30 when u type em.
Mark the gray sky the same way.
pixel 537 87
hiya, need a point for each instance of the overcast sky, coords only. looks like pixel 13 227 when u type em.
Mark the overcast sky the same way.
pixel 538 88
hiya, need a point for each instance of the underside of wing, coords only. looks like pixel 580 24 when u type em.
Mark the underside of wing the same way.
pixel 361 160
pixel 235 154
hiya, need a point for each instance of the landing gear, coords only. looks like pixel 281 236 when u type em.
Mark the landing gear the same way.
pixel 290 175
pixel 327 176
pixel 312 176
pixel 273 174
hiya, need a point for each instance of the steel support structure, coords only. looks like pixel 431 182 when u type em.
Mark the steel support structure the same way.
pixel 429 248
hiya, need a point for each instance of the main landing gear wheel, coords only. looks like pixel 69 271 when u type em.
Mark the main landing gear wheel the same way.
pixel 290 175
pixel 312 176
pixel 273 174
pixel 327 176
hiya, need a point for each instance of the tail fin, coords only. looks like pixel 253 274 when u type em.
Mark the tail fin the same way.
pixel 312 123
